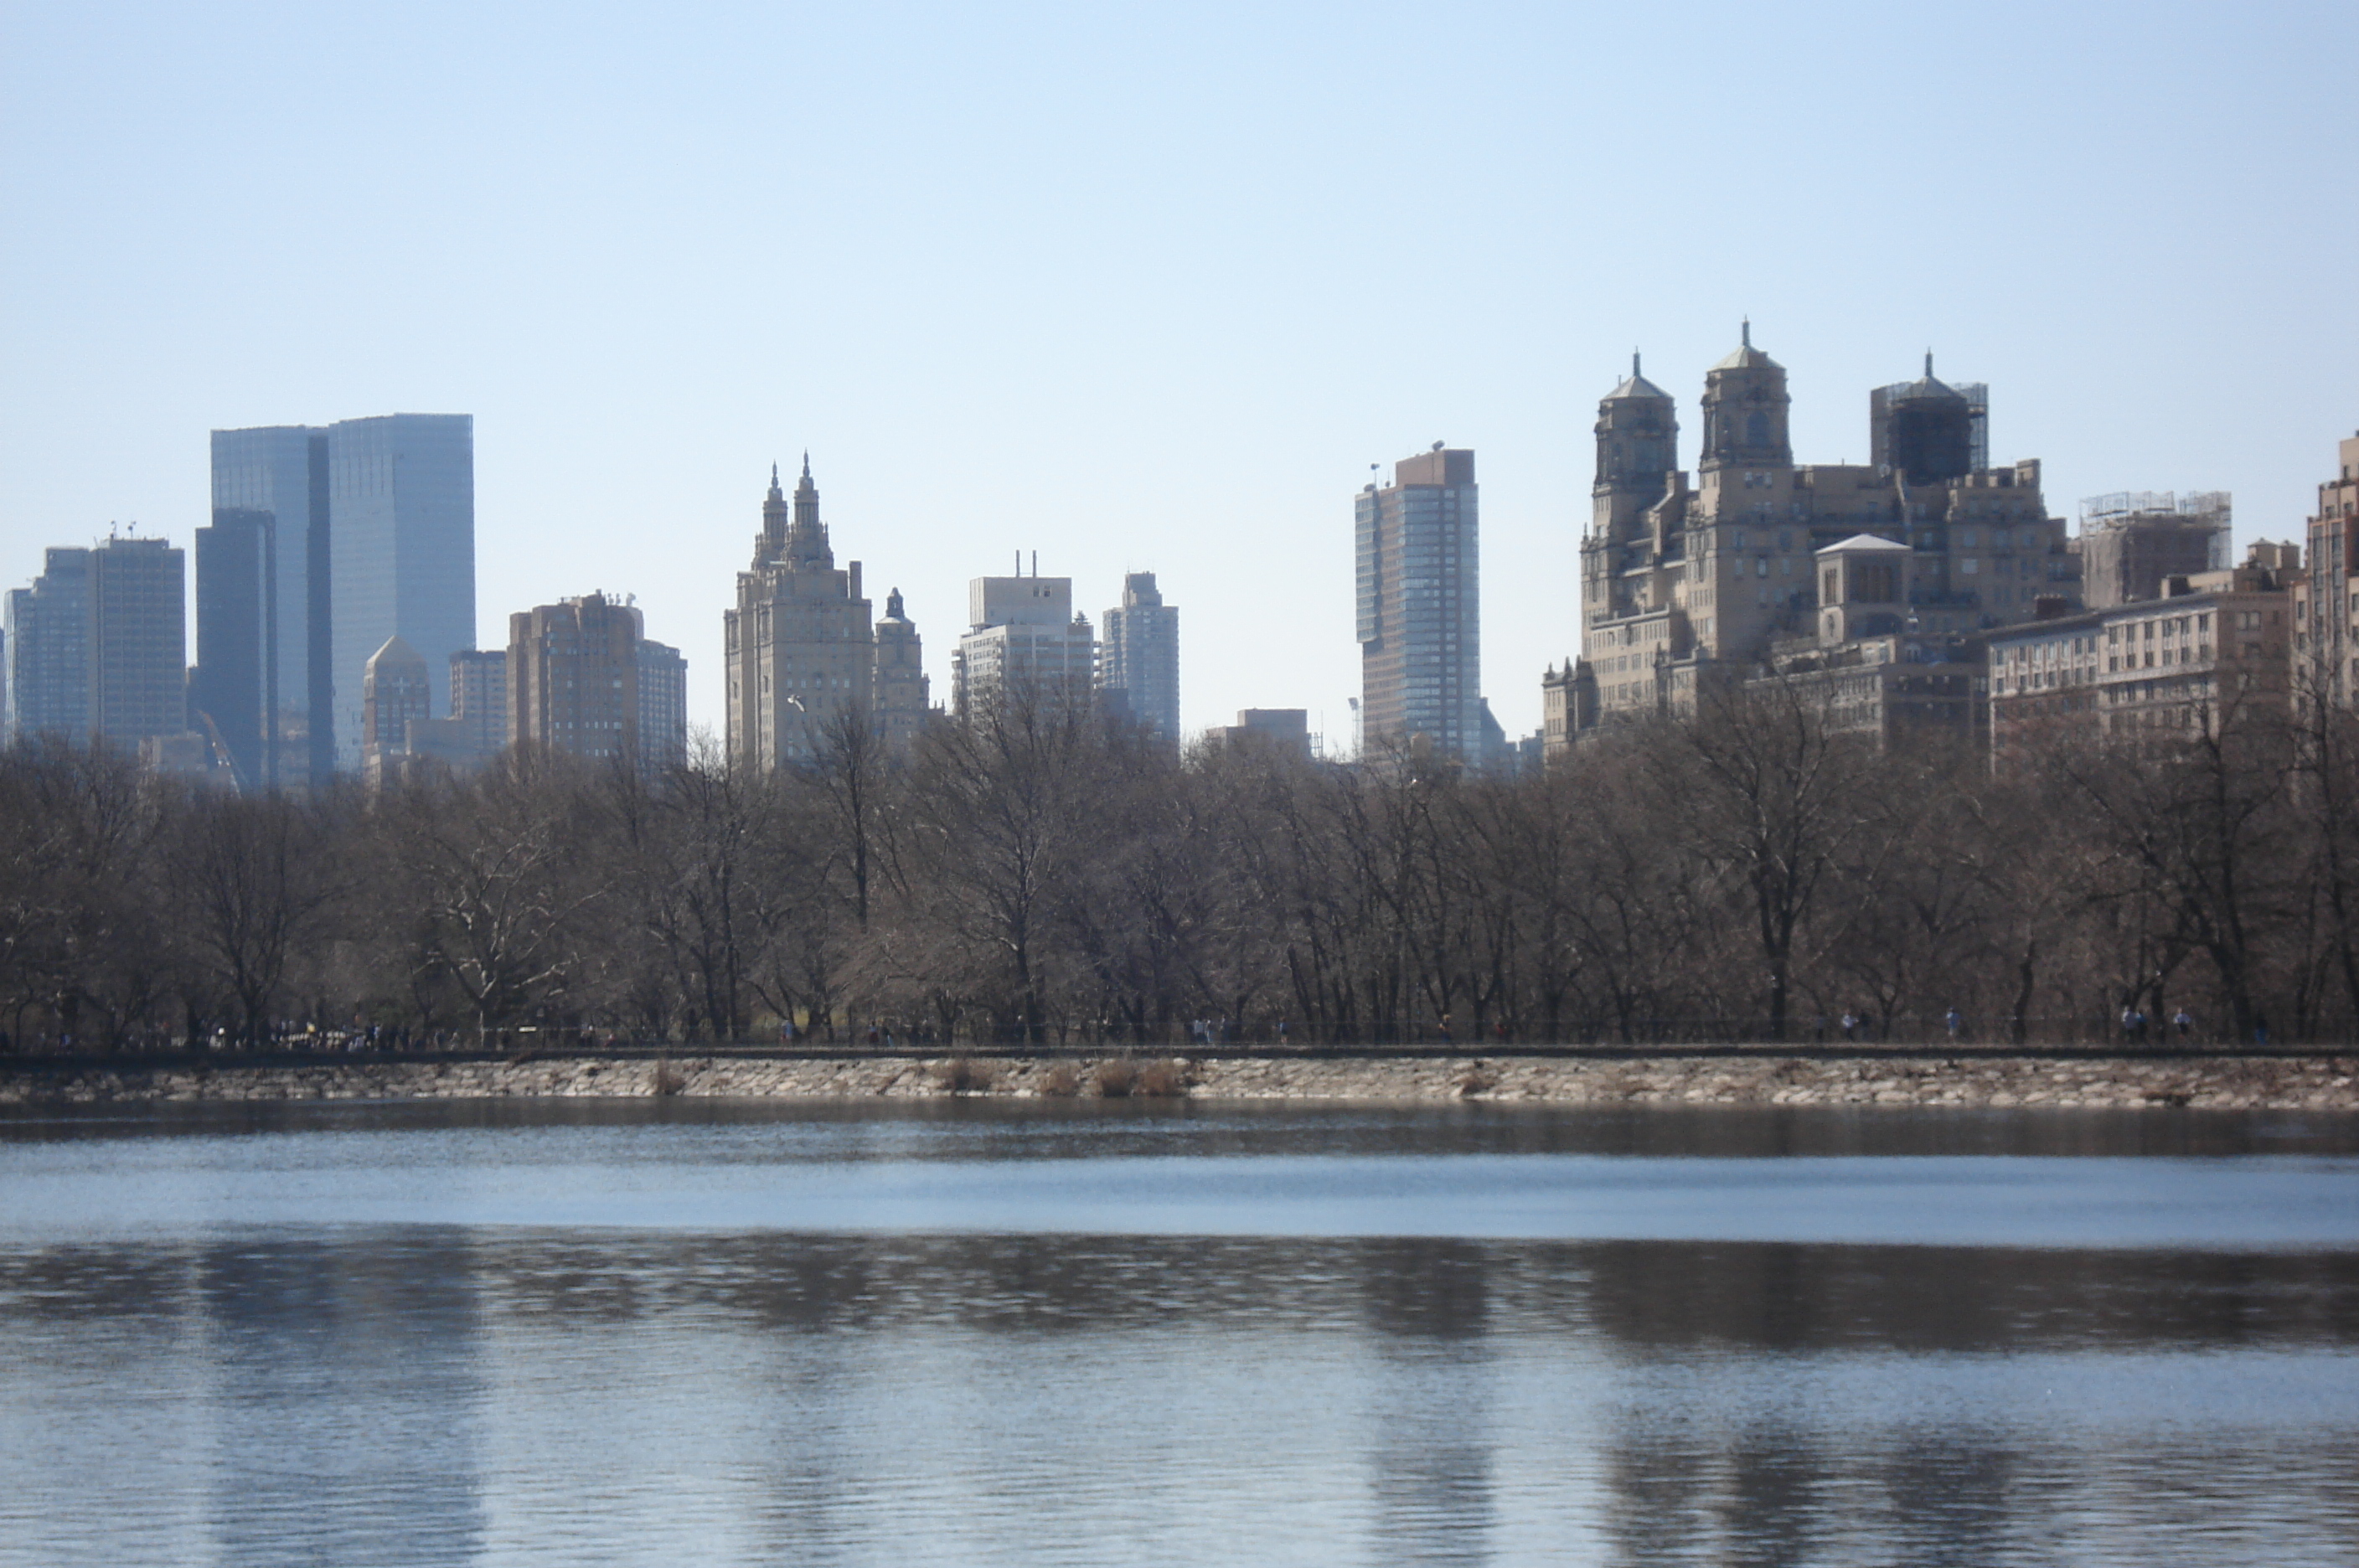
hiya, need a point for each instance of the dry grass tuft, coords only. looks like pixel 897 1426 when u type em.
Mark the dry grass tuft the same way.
pixel 1476 1079
pixel 964 1075
pixel 666 1080
pixel 1162 1081
pixel 1062 1082
pixel 1116 1078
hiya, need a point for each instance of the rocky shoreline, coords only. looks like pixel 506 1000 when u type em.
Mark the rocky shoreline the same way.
pixel 2322 1082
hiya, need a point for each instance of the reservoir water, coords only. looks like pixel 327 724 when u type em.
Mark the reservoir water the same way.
pixel 969 1333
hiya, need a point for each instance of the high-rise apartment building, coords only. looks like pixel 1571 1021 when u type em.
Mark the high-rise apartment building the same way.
pixel 663 703
pixel 573 677
pixel 2131 544
pixel 263 592
pixel 802 647
pixel 2326 603
pixel 139 640
pixel 1023 644
pixel 1419 606
pixel 325 543
pixel 479 697
pixel 1682 583
pixel 1140 659
pixel 97 646
pixel 48 650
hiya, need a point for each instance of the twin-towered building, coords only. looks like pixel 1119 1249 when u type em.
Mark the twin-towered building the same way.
pixel 804 653
pixel 1761 562
pixel 805 657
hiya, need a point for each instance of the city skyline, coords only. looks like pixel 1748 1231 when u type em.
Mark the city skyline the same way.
pixel 599 240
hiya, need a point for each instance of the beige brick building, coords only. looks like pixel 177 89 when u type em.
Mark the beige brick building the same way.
pixel 2214 643
pixel 801 647
pixel 573 677
pixel 1683 582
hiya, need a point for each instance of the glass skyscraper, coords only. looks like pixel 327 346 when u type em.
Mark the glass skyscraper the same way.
pixel 261 604
pixel 325 543
pixel 401 497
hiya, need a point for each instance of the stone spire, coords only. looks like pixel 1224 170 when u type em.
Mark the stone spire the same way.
pixel 774 524
pixel 807 546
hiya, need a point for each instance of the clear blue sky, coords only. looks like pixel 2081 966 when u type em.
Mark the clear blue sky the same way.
pixel 1149 287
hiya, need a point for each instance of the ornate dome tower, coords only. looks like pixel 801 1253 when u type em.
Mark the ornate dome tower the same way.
pixel 1744 411
pixel 1638 438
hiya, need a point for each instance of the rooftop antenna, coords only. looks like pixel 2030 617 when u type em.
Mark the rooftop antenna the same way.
pixel 1035 563
pixel 1746 331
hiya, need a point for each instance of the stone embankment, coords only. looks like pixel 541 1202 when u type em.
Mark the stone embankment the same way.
pixel 1751 1078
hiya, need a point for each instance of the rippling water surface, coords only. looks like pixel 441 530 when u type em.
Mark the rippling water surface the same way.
pixel 962 1334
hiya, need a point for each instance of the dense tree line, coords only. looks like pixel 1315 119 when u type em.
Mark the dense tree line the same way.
pixel 1054 877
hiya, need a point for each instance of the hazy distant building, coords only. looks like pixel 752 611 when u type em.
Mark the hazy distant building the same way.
pixel 97 645
pixel 48 650
pixel 2134 542
pixel 663 702
pixel 402 551
pixel 801 645
pixel 263 592
pixel 901 687
pixel 1023 642
pixel 1722 578
pixel 1140 656
pixel 231 689
pixel 1419 607
pixel 1287 729
pixel 326 542
pixel 395 696
pixel 138 647
pixel 479 697
pixel 573 677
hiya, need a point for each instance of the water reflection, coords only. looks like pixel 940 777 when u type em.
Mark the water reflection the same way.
pixel 344 1383
pixel 368 1393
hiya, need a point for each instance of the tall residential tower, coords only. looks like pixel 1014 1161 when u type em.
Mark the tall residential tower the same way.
pixel 1419 608
pixel 1141 656
pixel 801 648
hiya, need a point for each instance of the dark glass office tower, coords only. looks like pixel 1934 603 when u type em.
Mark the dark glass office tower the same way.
pixel 229 695
pixel 401 491
pixel 263 649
